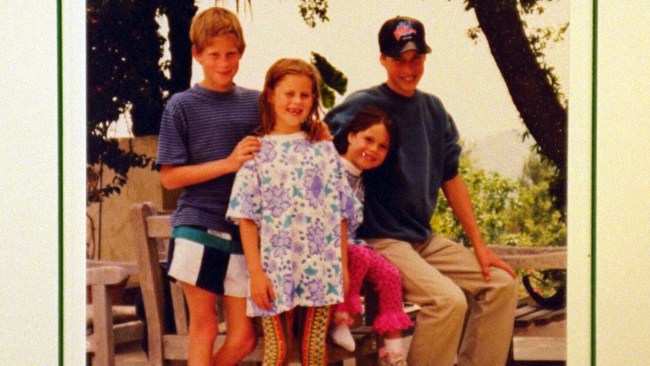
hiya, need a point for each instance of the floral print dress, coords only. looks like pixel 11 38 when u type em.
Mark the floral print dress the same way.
pixel 297 194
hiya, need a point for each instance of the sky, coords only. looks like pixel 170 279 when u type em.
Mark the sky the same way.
pixel 461 72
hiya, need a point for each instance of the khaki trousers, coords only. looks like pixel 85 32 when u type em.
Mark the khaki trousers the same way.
pixel 445 280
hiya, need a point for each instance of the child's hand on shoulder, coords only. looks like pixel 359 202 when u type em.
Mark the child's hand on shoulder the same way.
pixel 323 132
pixel 244 151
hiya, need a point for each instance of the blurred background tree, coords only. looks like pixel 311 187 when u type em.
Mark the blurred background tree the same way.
pixel 511 212
pixel 127 79
pixel 518 52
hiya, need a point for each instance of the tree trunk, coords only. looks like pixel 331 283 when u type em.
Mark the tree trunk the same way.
pixel 179 17
pixel 528 84
pixel 148 105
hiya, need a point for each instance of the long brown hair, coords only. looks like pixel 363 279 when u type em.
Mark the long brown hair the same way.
pixel 275 74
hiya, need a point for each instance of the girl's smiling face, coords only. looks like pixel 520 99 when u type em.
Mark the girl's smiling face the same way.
pixel 368 148
pixel 291 101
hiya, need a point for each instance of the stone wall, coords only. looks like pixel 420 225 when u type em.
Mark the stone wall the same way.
pixel 111 218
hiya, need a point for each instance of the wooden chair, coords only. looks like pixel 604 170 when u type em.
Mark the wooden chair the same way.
pixel 100 345
pixel 151 231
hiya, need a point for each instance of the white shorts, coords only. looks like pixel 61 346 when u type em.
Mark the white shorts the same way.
pixel 236 282
pixel 203 266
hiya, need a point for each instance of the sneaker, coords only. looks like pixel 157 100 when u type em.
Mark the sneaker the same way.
pixel 391 358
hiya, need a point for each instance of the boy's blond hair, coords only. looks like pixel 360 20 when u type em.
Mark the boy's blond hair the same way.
pixel 214 22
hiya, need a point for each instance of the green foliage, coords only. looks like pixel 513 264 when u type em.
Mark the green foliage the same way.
pixel 118 160
pixel 511 212
pixel 310 9
pixel 546 282
pixel 125 77
pixel 331 76
pixel 540 38
pixel 124 52
pixel 332 80
pixel 518 213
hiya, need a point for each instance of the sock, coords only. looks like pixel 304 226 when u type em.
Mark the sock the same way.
pixel 394 345
pixel 341 335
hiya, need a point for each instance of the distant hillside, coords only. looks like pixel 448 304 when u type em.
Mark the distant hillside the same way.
pixel 503 152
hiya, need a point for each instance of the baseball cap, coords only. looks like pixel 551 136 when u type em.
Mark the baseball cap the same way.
pixel 401 34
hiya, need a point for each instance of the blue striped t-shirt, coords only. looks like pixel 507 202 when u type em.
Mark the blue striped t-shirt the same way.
pixel 200 125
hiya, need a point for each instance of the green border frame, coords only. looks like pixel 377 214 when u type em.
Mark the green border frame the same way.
pixel 59 60
pixel 594 163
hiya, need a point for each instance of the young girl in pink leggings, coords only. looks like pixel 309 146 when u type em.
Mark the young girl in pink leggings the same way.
pixel 366 146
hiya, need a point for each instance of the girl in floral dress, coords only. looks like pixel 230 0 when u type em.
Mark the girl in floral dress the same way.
pixel 292 202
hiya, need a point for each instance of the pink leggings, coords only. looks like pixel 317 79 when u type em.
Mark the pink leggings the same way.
pixel 365 263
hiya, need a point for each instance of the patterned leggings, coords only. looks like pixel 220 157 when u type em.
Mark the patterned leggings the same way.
pixel 278 331
pixel 365 263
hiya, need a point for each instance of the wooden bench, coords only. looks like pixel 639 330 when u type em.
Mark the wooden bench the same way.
pixel 151 231
pixel 539 334
pixel 109 327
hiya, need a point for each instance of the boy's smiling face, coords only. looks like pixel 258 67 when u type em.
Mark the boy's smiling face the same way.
pixel 404 73
pixel 220 62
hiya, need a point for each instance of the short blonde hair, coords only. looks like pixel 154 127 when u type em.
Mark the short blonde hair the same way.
pixel 213 22
pixel 278 71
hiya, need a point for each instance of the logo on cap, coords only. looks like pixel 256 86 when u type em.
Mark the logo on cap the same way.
pixel 401 34
pixel 403 29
